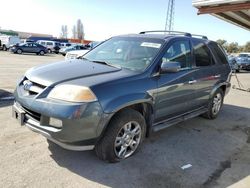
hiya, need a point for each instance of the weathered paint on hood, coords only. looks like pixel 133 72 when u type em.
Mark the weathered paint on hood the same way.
pixel 59 72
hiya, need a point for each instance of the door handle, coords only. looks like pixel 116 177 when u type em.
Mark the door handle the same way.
pixel 217 76
pixel 192 81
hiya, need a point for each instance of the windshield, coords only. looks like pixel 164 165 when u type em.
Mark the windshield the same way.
pixel 127 52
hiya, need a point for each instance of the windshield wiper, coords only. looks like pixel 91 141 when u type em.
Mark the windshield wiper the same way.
pixel 83 58
pixel 105 63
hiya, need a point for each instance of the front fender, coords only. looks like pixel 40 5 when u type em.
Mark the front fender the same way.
pixel 121 102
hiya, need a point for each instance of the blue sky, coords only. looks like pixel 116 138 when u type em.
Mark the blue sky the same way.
pixel 103 19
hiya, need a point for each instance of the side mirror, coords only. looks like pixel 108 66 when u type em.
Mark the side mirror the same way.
pixel 170 67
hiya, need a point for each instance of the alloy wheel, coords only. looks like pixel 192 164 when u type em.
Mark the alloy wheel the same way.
pixel 217 103
pixel 127 139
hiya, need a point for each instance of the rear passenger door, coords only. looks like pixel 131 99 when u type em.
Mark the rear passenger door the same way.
pixel 35 48
pixel 206 72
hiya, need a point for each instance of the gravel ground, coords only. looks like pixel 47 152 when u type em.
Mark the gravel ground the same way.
pixel 218 150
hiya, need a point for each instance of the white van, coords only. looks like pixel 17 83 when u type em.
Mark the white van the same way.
pixel 50 45
pixel 7 41
pixel 65 44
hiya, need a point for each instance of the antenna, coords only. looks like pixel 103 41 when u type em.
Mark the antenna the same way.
pixel 170 16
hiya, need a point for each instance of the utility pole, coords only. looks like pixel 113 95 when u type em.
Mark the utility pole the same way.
pixel 169 26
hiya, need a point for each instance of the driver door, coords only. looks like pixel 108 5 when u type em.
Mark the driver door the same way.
pixel 175 90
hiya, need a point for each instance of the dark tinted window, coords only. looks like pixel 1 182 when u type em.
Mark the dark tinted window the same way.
pixel 202 54
pixel 49 43
pixel 218 53
pixel 179 51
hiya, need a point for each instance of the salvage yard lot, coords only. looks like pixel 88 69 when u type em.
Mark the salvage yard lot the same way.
pixel 218 150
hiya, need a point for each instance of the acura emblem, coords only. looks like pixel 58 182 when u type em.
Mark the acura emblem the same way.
pixel 27 85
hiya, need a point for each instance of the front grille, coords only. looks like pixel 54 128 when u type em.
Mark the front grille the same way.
pixel 32 88
pixel 32 114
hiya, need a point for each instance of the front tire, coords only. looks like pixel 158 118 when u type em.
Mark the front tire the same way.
pixel 19 51
pixel 41 52
pixel 123 136
pixel 215 105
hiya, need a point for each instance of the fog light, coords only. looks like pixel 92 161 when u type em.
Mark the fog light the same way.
pixel 55 122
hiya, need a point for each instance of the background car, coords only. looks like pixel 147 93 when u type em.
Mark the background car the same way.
pixel 7 41
pixel 92 44
pixel 233 63
pixel 78 53
pixel 65 45
pixel 72 48
pixel 243 60
pixel 52 46
pixel 30 47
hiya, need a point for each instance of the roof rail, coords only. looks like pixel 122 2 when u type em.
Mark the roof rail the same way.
pixel 202 36
pixel 175 32
pixel 166 31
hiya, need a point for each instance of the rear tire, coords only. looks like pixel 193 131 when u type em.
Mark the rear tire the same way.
pixel 215 105
pixel 123 136
pixel 49 51
pixel 4 48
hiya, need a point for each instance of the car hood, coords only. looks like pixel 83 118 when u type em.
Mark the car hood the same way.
pixel 55 73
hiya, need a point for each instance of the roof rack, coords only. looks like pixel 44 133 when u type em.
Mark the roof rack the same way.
pixel 166 31
pixel 202 36
pixel 175 33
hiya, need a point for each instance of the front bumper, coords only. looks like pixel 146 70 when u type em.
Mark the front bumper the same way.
pixel 82 124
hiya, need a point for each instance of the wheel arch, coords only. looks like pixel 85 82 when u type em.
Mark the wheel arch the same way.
pixel 223 86
pixel 144 107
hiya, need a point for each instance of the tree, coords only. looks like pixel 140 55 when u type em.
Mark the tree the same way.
pixel 64 31
pixel 79 29
pixel 74 32
pixel 233 47
pixel 222 42
pixel 247 47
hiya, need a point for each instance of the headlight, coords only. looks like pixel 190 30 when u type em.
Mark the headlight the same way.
pixel 72 93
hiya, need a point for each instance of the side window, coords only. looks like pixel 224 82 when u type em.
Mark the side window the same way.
pixel 179 51
pixel 202 54
pixel 218 53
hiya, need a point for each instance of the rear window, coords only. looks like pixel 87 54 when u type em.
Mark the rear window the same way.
pixel 218 53
pixel 202 54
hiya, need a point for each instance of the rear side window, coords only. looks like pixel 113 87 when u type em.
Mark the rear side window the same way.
pixel 202 54
pixel 218 53
pixel 49 43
